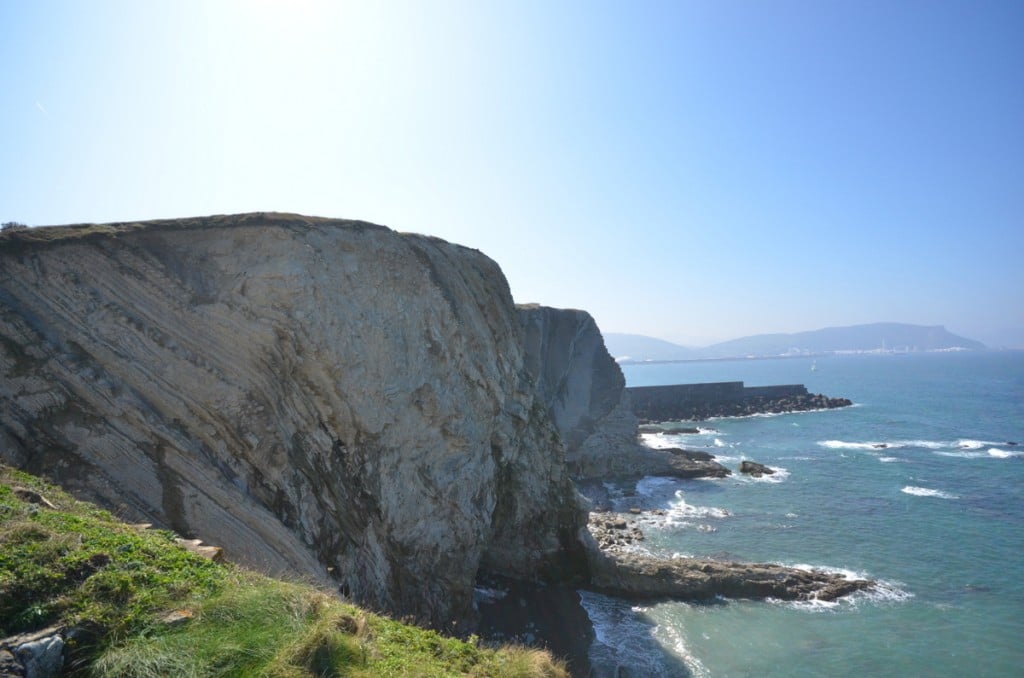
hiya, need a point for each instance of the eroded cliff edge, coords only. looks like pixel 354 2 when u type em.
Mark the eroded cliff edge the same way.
pixel 585 394
pixel 321 397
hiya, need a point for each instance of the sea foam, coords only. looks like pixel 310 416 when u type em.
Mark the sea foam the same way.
pixel 927 492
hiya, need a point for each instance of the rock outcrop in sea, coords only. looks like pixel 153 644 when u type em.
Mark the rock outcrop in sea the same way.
pixel 587 401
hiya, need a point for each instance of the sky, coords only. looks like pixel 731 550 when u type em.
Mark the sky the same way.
pixel 693 171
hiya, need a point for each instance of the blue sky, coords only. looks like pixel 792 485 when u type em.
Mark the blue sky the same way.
pixel 694 171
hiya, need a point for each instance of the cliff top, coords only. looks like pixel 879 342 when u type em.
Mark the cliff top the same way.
pixel 126 600
pixel 49 234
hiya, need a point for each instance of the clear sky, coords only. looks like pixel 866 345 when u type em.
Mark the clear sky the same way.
pixel 694 171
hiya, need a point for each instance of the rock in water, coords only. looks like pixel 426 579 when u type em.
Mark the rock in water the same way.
pixel 305 393
pixel 752 468
pixel 645 577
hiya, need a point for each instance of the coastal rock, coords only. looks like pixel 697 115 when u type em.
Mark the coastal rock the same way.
pixel 753 469
pixel 311 395
pixel 635 576
pixel 37 654
pixel 585 396
pixel 583 390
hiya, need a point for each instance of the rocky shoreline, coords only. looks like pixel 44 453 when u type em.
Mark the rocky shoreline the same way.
pixel 622 569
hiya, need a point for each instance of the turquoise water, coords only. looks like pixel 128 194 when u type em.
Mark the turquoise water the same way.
pixel 936 516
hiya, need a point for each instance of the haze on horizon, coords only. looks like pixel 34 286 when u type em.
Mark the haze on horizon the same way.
pixel 692 171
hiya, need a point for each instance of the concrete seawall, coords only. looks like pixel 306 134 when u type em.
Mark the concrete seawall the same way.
pixel 722 399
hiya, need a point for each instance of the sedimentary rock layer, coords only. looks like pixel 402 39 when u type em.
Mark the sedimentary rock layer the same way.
pixel 327 398
pixel 644 577
pixel 584 390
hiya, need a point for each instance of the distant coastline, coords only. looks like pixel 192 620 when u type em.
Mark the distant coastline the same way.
pixel 876 338
pixel 627 360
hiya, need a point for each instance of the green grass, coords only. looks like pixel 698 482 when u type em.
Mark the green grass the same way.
pixel 67 563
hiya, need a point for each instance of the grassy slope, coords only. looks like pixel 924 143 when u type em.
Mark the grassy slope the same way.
pixel 67 563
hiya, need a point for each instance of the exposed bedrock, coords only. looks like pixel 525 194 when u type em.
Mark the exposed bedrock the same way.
pixel 637 576
pixel 587 400
pixel 320 397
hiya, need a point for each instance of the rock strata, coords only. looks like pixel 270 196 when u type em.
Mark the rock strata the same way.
pixel 583 390
pixel 325 398
pixel 636 576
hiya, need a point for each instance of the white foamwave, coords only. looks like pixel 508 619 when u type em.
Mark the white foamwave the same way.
pixel 876 445
pixel 623 636
pixel 881 591
pixel 779 476
pixel 655 441
pixel 720 443
pixel 649 485
pixel 844 445
pixel 991 453
pixel 962 455
pixel 677 640
pixel 927 492
pixel 968 444
pixel 926 444
pixel 890 460
pixel 680 513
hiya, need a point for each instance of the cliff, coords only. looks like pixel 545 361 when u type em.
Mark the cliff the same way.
pixel 327 398
pixel 586 398
pixel 582 386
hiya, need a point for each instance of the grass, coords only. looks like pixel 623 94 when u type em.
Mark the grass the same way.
pixel 152 608
pixel 13 238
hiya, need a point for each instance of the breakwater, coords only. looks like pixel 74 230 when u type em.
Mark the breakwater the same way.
pixel 694 402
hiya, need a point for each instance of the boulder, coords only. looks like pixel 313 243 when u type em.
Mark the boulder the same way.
pixel 755 470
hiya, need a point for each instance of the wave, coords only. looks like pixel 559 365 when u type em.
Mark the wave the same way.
pixel 991 453
pixel 779 476
pixel 927 492
pixel 844 445
pixel 624 638
pixel 964 448
pixel 890 460
pixel 648 486
pixel 968 444
pixel 682 514
pixel 882 591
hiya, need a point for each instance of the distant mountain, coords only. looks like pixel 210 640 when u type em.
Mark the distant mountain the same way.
pixel 638 348
pixel 857 338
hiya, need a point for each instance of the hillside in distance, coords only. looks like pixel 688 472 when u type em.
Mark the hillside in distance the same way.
pixel 875 337
pixel 637 347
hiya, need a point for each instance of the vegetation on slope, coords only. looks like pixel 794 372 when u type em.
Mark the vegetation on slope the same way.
pixel 145 606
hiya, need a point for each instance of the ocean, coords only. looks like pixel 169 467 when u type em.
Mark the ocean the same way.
pixel 915 486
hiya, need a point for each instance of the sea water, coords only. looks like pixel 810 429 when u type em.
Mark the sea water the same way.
pixel 915 486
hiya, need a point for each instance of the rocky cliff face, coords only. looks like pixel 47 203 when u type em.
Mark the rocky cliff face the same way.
pixel 586 397
pixel 321 397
